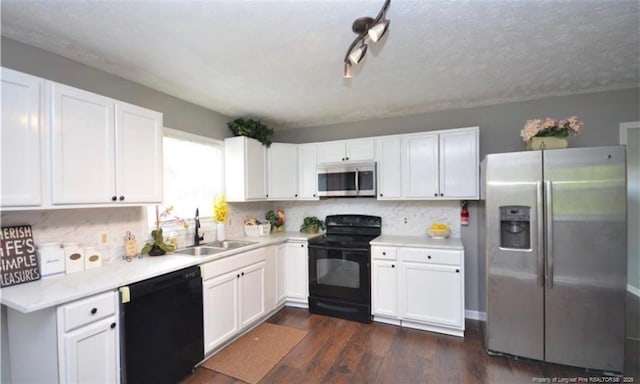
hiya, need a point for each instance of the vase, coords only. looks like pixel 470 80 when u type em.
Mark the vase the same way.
pixel 220 232
pixel 550 142
pixel 156 251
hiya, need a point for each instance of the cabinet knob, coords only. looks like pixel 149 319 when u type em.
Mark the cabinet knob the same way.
pixel 381 195
pixel 435 194
pixel 314 195
pixel 428 256
pixel 343 159
pixel 267 195
pixel 238 276
pixel 114 198
pixel 296 195
pixel 442 194
pixel 347 158
pixel 94 311
pixel 393 265
pixel 242 274
pixel 121 197
pixel 384 253
pixel 113 325
pixel 457 271
pixel 302 245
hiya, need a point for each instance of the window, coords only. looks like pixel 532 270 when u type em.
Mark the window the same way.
pixel 193 175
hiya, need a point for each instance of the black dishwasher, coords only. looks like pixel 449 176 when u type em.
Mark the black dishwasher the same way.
pixel 162 337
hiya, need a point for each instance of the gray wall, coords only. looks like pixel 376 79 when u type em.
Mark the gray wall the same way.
pixel 178 114
pixel 500 127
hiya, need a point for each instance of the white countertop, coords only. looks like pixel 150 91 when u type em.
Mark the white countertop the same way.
pixel 44 293
pixel 417 241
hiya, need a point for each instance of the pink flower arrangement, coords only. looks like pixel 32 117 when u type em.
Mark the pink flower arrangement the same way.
pixel 551 127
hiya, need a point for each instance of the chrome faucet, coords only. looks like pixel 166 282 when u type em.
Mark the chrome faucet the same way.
pixel 196 237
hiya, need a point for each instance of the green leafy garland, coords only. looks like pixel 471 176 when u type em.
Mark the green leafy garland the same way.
pixel 252 128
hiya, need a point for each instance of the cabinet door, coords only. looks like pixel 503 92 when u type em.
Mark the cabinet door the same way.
pixel 384 280
pixel 297 272
pixel 21 137
pixel 307 177
pixel 420 168
pixel 389 168
pixel 255 169
pixel 83 147
pixel 270 278
pixel 331 152
pixel 220 307
pixel 459 164
pixel 431 294
pixel 251 294
pixel 90 354
pixel 281 273
pixel 360 150
pixel 139 154
pixel 282 171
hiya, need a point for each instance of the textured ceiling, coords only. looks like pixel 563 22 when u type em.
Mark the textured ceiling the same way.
pixel 281 61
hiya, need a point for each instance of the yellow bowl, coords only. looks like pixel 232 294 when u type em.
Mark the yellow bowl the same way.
pixel 438 233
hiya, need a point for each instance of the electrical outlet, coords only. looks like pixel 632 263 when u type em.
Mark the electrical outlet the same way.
pixel 405 220
pixel 104 238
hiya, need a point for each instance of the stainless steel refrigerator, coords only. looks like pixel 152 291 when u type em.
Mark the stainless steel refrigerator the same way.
pixel 556 254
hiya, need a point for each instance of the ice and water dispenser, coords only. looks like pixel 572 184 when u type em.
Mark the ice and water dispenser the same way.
pixel 515 229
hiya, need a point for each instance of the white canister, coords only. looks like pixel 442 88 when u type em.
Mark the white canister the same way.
pixel 50 259
pixel 73 259
pixel 92 258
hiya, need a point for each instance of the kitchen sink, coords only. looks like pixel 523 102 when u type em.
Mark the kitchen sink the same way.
pixel 230 244
pixel 199 251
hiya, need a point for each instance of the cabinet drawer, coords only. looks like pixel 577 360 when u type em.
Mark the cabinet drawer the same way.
pixel 434 256
pixel 85 311
pixel 383 253
pixel 231 263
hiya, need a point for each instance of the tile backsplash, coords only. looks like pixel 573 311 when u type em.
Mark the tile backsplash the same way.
pixel 86 226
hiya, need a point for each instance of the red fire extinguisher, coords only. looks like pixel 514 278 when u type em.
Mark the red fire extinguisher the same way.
pixel 464 214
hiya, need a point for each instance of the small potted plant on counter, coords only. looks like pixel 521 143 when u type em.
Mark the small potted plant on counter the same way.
pixel 158 247
pixel 276 218
pixel 311 224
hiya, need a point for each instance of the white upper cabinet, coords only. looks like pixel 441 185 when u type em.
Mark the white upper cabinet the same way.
pixel 282 171
pixel 83 145
pixel 431 165
pixel 420 167
pixel 346 150
pixel 307 166
pixel 103 151
pixel 244 169
pixel 21 138
pixel 138 154
pixel 459 166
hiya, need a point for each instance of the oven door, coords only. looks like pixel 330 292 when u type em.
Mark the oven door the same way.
pixel 340 273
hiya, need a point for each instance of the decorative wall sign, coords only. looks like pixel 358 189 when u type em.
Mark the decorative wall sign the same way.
pixel 18 261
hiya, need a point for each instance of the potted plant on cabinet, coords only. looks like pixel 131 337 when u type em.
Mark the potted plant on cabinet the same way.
pixel 311 224
pixel 251 128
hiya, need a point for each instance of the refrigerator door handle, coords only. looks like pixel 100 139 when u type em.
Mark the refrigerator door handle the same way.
pixel 549 233
pixel 540 237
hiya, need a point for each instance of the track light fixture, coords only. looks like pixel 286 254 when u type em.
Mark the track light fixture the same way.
pixel 366 28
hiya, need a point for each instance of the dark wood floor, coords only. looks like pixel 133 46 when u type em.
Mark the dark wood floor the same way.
pixel 340 351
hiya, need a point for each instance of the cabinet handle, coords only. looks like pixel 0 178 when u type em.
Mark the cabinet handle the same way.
pixel 94 311
pixel 302 245
pixel 114 198
pixel 384 253
pixel 121 197
pixel 113 325
pixel 435 194
pixel 381 195
pixel 457 271
pixel 314 195
pixel 442 194
pixel 242 274
pixel 393 265
pixel 238 276
pixel 429 257
pixel 296 195
pixel 267 195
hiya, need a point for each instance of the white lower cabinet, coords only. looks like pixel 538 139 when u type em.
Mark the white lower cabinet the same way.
pixel 419 288
pixel 78 342
pixel 233 295
pixel 297 274
pixel 281 273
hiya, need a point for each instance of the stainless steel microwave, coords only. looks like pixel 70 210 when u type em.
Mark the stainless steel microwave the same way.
pixel 340 179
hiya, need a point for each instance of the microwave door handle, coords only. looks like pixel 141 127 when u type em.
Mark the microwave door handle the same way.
pixel 357 184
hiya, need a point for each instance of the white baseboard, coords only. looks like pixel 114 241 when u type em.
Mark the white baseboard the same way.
pixel 633 290
pixel 475 315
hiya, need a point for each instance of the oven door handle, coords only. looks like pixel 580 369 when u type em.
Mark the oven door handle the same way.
pixel 331 248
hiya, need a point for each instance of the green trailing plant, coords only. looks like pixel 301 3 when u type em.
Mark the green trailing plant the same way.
pixel 158 246
pixel 311 224
pixel 252 128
